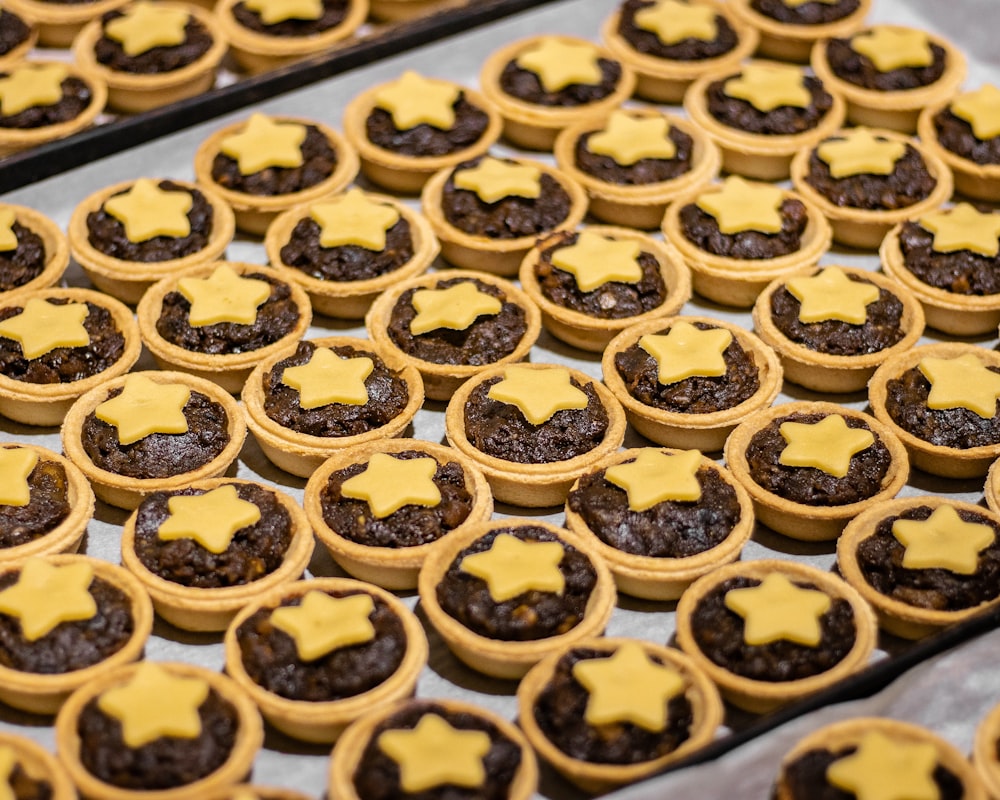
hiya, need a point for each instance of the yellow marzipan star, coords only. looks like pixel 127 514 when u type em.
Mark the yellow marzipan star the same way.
pixel 673 21
pixel 595 260
pixel 741 205
pixel 435 754
pixel 388 483
pixel 538 393
pixel 145 25
pixel 827 445
pixel 492 180
pixel 892 48
pixel 654 477
pixel 884 769
pixel 944 541
pixel 964 228
pixel 628 139
pixel 211 519
pixel 770 86
pixel 264 142
pixel 327 378
pixel 777 609
pixel 414 99
pixel 46 595
pixel 147 211
pixel 145 407
pixel 8 239
pixel 30 85
pixel 224 296
pixel 16 464
pixel 962 382
pixel 981 109
pixel 353 218
pixel 559 63
pixel 686 351
pixel 43 326
pixel 321 624
pixel 274 11
pixel 512 567
pixel 831 294
pixel 455 307
pixel 858 151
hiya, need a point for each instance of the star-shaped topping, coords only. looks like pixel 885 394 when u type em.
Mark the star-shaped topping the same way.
pixel 628 139
pixel 884 769
pixel 963 228
pixel 43 326
pixel 8 239
pixel 512 567
pixel 742 205
pixel 147 211
pixel 211 519
pixel 46 595
pixel 770 86
pixel 388 483
pixel 981 109
pixel 145 407
pixel 492 180
pixel 435 754
pixel 455 308
pixel 892 48
pixel 674 21
pixel 654 477
pixel 962 382
pixel 16 464
pixel 831 294
pixel 264 143
pixel 686 351
pixel 628 686
pixel 31 85
pixel 859 152
pixel 538 393
pixel 224 296
pixel 274 11
pixel 827 445
pixel 777 609
pixel 327 378
pixel 155 703
pixel 595 260
pixel 322 624
pixel 414 99
pixel 943 541
pixel 559 63
pixel 353 219
pixel 145 25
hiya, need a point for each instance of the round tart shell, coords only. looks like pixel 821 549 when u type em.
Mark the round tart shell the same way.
pixel 992 488
pixel 53 240
pixel 40 765
pixel 984 753
pixel 787 42
pixel 979 181
pixel 59 23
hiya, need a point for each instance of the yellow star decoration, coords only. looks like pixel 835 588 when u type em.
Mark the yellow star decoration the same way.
pixel 559 63
pixel 963 228
pixel 943 541
pixel 628 139
pixel 892 48
pixel 827 445
pixel 595 260
pixel 327 378
pixel 492 180
pixel 685 352
pixel 46 595
pixel 742 205
pixel 224 296
pixel 43 326
pixel 388 483
pixel 654 477
pixel 512 567
pixel 778 609
pixel 31 85
pixel 154 703
pixel 16 464
pixel 8 239
pixel 455 308
pixel 831 294
pixel 264 143
pixel 673 21
pixel 146 25
pixel 8 760
pixel 211 519
pixel 770 86
pixel 962 382
pixel 858 151
pixel 274 11
pixel 147 211
pixel 538 393
pixel 628 687
pixel 353 218
pixel 981 109
pixel 883 769
pixel 414 99
pixel 435 754
pixel 145 407
pixel 322 624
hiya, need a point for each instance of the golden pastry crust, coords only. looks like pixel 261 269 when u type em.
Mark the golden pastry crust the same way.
pixel 785 42
pixel 984 752
pixel 992 488
pixel 706 432
pixel 404 10
pixel 59 23
pixel 761 696
pixel 979 181
pixel 240 790
pixel 40 764
pixel 194 609
pixel 53 240
pixel 21 51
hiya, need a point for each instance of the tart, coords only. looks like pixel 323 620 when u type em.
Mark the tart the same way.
pixel 354 393
pixel 593 283
pixel 180 730
pixel 58 23
pixel 669 44
pixel 56 345
pixel 452 324
pixel 889 73
pixel 737 236
pixel 833 327
pixel 506 593
pixel 544 83
pixel 33 770
pixel 151 54
pixel 125 249
pixel 487 213
pixel 66 620
pixel 634 162
pixel 266 165
pixel 315 655
pixel 771 632
pixel 788 29
pixel 716 374
pixel 379 508
pixel 152 431
pixel 34 251
pixel 575 715
pixel 17 38
pixel 217 321
pixel 922 563
pixel 533 429
pixel 662 518
pixel 408 129
pixel 346 250
pixel 204 551
pixel 984 752
pixel 811 467
pixel 865 181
